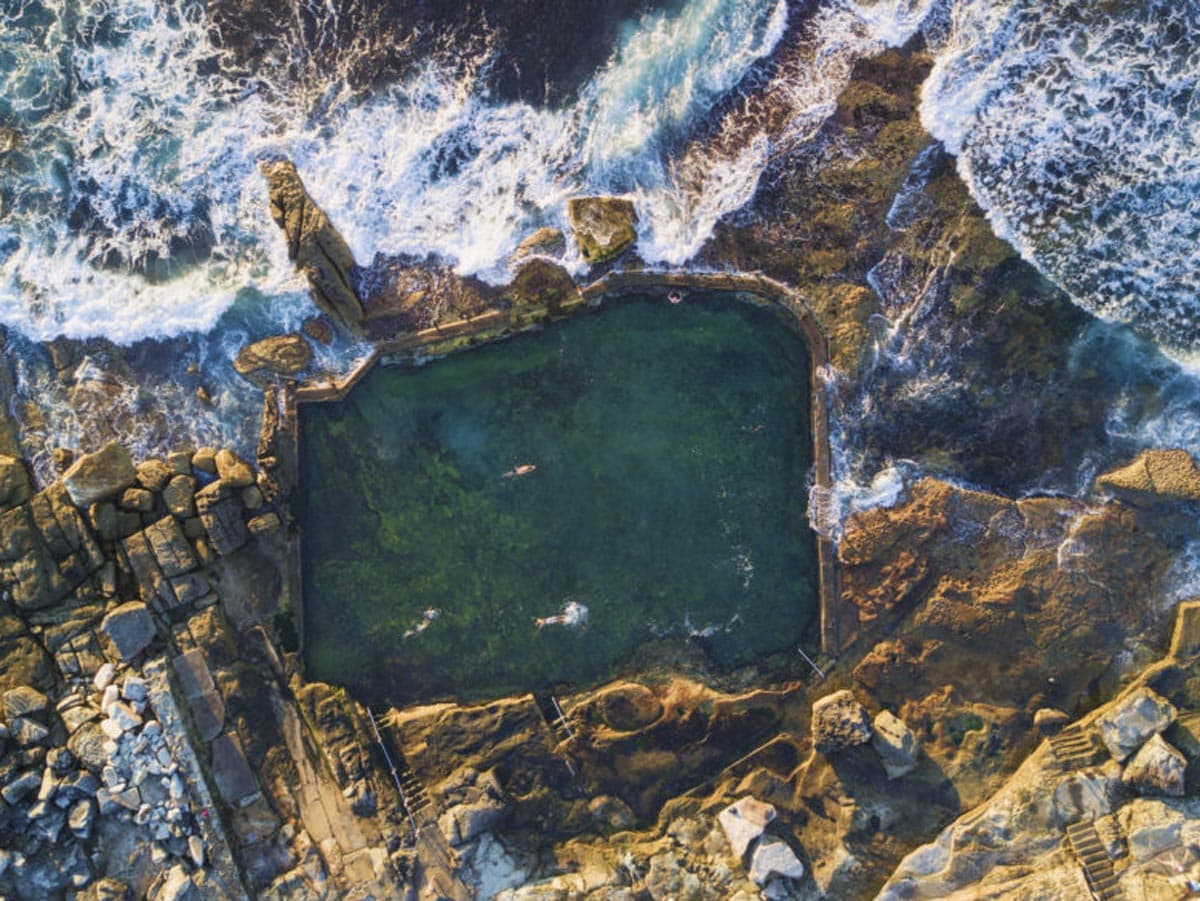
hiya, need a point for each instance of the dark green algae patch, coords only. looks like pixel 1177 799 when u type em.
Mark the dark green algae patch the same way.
pixel 673 448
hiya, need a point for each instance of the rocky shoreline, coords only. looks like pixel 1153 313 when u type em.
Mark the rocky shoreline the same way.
pixel 993 685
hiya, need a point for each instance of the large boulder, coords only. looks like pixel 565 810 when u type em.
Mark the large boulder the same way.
pixel 839 722
pixel 545 242
pixel 1151 827
pixel 130 628
pixel 24 701
pixel 1157 769
pixel 1156 476
pixel 774 859
pixel 314 245
pixel 15 487
pixel 1131 722
pixel 543 285
pixel 895 744
pixel 744 821
pixel 100 475
pixel 604 226
pixel 281 354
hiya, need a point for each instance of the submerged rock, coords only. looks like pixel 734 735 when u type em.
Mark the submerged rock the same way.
pixel 604 226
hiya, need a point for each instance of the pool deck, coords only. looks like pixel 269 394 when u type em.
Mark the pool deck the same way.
pixel 496 324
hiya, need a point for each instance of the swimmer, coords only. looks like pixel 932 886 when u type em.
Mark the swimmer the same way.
pixel 675 297
pixel 523 470
pixel 572 614
pixel 427 618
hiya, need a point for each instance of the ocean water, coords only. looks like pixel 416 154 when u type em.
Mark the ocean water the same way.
pixel 131 206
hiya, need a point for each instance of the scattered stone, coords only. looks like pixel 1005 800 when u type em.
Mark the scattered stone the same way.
pixel 205 460
pixel 87 743
pixel 21 787
pixel 1133 720
pixel 172 552
pixel 266 524
pixel 895 744
pixel 138 499
pixel 774 859
pixel 604 226
pixel 24 701
pixel 1049 720
pixel 153 474
pixel 1156 769
pixel 104 676
pixel 281 354
pixel 100 475
pixel 233 470
pixel 319 329
pixel 744 821
pixel 103 517
pixel 130 628
pixel 60 760
pixel 1156 476
pixel 124 716
pixel 196 850
pixel 178 886
pixel 252 498
pixel 839 722
pixel 134 688
pixel 81 818
pixel 26 732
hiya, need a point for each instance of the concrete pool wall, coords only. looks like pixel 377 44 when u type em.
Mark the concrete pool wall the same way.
pixel 281 422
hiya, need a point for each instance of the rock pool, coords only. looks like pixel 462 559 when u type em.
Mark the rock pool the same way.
pixel 647 465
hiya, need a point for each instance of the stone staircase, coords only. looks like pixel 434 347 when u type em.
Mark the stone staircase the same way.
pixel 1073 747
pixel 1085 844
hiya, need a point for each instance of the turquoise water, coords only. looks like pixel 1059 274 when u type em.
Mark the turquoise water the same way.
pixel 672 446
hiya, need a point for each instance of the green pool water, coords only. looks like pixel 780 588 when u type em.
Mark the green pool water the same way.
pixel 672 446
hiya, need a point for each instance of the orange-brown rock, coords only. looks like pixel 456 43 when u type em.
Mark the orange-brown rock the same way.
pixel 604 226
pixel 1156 476
pixel 541 284
pixel 314 245
pixel 281 354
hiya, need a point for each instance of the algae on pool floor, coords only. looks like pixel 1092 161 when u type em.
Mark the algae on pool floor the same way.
pixel 648 463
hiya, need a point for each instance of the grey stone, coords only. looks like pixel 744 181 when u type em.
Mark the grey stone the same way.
pixel 171 547
pixel 208 714
pixel 194 676
pixel 839 722
pixel 179 496
pixel 153 474
pixel 61 760
pixel 81 818
pixel 100 475
pixel 178 886
pixel 220 510
pixel 231 771
pixel 134 688
pixel 50 824
pixel 196 850
pixel 130 628
pixel 1133 720
pixel 774 859
pixel 104 676
pixel 24 701
pixel 89 745
pixel 744 821
pixel 26 732
pixel 1156 769
pixel 124 716
pixel 895 744
pixel 21 787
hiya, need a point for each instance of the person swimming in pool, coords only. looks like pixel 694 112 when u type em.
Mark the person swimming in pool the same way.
pixel 572 614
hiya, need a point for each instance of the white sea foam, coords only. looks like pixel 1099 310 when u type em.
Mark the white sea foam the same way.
pixel 1076 130
pixel 116 110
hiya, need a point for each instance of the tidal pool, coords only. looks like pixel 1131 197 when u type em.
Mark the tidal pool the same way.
pixel 648 463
